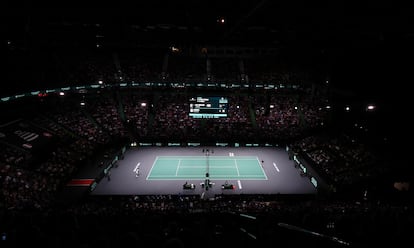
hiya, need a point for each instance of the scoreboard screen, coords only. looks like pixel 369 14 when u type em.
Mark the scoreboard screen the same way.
pixel 208 107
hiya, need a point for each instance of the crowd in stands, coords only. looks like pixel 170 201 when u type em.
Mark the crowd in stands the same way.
pixel 61 68
pixel 84 122
pixel 288 115
pixel 343 160
pixel 15 157
pixel 157 220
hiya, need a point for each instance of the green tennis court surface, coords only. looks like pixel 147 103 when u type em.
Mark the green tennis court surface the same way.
pixel 195 167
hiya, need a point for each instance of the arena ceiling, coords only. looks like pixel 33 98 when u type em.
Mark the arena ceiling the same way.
pixel 361 44
pixel 316 24
pixel 364 47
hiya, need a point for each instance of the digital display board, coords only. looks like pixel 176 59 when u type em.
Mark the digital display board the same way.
pixel 208 107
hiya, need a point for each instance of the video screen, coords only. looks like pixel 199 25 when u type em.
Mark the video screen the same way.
pixel 208 107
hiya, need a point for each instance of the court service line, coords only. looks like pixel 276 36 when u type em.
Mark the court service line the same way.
pixel 178 167
pixel 274 164
pixel 237 168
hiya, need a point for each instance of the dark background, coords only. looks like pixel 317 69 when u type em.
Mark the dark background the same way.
pixel 364 49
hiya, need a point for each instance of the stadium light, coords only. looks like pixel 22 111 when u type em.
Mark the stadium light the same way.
pixel 61 93
pixel 370 107
pixel 174 49
pixel 143 104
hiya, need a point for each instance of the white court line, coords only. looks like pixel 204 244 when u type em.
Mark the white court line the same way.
pixel 274 164
pixel 155 160
pixel 238 181
pixel 201 177
pixel 203 166
pixel 244 177
pixel 178 167
pixel 200 157
pixel 204 158
pixel 261 167
pixel 237 168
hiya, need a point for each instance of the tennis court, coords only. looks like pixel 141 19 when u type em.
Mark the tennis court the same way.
pixel 164 171
pixel 196 167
